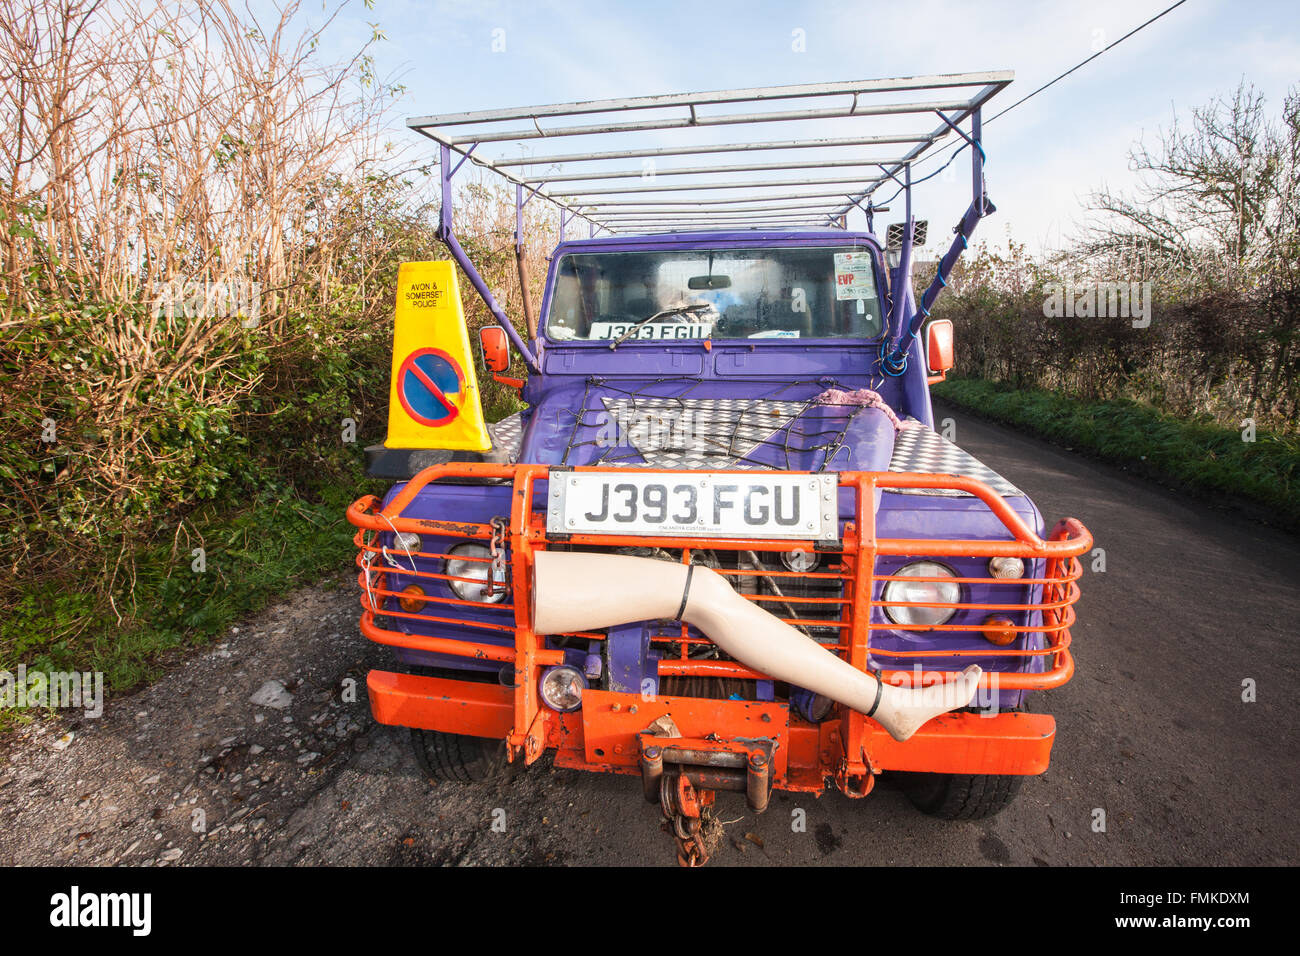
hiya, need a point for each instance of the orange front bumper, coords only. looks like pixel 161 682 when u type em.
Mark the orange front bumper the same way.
pixel 602 736
pixel 851 749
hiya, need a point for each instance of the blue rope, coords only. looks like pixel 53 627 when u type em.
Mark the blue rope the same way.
pixel 892 363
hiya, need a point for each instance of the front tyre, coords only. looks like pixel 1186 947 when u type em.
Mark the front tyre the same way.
pixel 960 796
pixel 457 757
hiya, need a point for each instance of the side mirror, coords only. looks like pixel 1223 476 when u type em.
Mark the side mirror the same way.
pixel 496 349
pixel 939 349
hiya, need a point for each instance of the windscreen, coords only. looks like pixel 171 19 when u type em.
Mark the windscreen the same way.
pixel 780 293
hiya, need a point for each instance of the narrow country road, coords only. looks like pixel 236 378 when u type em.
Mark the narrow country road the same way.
pixel 1153 731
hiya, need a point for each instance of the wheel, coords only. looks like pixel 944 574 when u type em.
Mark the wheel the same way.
pixel 456 757
pixel 960 796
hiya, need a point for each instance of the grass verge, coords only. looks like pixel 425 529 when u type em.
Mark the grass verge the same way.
pixel 1197 455
pixel 251 556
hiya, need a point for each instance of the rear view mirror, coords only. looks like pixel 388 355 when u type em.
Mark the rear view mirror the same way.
pixel 496 349
pixel 708 282
pixel 939 358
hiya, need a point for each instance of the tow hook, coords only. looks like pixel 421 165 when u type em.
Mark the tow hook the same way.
pixel 684 808
pixel 683 776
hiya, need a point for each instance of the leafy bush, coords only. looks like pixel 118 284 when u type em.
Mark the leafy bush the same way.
pixel 1197 454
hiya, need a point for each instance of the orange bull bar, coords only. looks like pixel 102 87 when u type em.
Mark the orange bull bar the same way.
pixel 603 734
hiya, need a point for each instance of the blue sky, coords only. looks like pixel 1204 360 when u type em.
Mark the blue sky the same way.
pixel 1044 156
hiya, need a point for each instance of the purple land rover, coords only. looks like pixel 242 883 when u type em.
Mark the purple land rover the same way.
pixel 723 546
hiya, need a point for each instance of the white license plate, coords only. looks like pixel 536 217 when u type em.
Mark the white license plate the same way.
pixel 669 504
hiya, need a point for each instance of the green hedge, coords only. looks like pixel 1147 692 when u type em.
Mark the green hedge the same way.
pixel 1195 454
pixel 277 542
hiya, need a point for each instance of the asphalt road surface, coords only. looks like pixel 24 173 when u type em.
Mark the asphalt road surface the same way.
pixel 1153 731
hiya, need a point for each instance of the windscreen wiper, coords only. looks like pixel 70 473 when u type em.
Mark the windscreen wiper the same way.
pixel 676 310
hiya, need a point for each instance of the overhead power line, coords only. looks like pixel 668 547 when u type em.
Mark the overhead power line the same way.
pixel 1083 63
pixel 1053 82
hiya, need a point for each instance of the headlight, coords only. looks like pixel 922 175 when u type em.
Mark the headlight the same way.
pixel 478 571
pixel 561 687
pixel 929 592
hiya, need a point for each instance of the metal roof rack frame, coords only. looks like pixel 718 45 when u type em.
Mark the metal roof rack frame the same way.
pixel 722 123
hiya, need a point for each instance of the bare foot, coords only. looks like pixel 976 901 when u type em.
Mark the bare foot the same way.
pixel 903 710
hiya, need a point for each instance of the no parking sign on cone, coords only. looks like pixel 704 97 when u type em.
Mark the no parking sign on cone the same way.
pixel 433 399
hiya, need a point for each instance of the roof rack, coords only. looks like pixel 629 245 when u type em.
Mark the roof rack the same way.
pixel 737 174
pixel 594 185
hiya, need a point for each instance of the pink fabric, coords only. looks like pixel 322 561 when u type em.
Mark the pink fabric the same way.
pixel 865 397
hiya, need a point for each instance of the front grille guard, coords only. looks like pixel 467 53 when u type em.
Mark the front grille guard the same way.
pixel 1052 593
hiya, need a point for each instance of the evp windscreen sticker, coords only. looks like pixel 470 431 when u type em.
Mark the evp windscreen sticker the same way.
pixel 854 276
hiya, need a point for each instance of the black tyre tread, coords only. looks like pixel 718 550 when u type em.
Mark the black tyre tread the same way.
pixel 456 757
pixel 959 796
